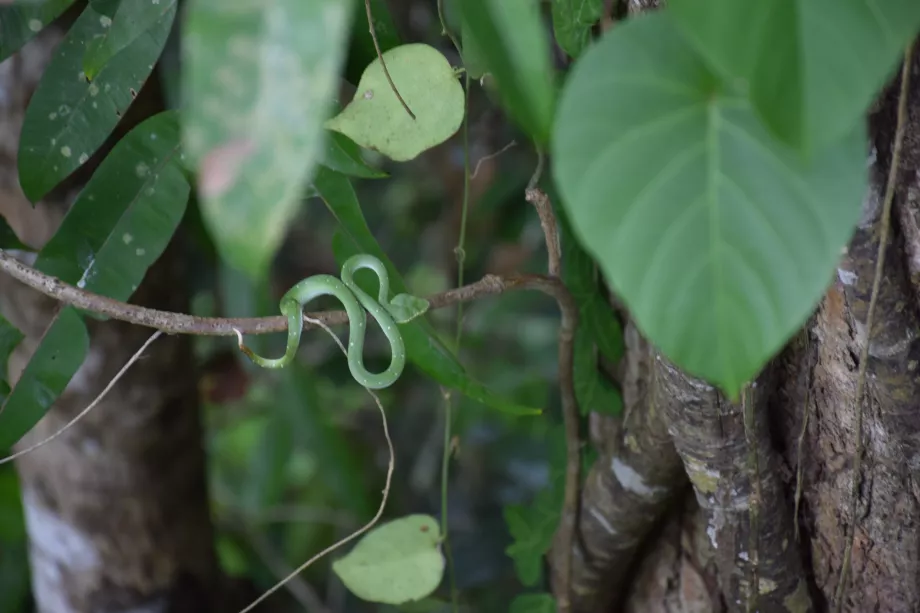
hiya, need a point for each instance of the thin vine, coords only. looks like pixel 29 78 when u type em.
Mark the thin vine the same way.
pixel 370 25
pixel 885 223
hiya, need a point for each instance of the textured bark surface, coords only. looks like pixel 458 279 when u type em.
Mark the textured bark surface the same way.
pixel 745 538
pixel 116 509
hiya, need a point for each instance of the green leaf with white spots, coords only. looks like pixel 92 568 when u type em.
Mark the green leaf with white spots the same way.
pixel 341 154
pixel 20 23
pixel 719 238
pixel 69 117
pixel 132 19
pixel 396 562
pixel 258 79
pixel 423 347
pixel 62 350
pixel 126 214
pixel 376 119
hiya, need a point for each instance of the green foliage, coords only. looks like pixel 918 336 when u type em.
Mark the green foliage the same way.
pixel 10 337
pixel 718 238
pixel 376 119
pixel 396 562
pixel 126 214
pixel 510 36
pixel 572 23
pixel 8 238
pixel 343 155
pixel 14 572
pixel 362 51
pixel 256 145
pixel 62 350
pixel 812 66
pixel 69 115
pixel 533 603
pixel 20 23
pixel 132 19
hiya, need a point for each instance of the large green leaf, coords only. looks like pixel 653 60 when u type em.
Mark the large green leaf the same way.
pixel 812 66
pixel 126 214
pixel 62 350
pixel 258 80
pixel 572 23
pixel 719 239
pixel 69 117
pixel 18 24
pixel 423 347
pixel 132 19
pixel 512 40
pixel 341 154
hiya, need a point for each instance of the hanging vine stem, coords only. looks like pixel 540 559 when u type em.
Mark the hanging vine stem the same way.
pixel 460 254
pixel 885 224
pixel 570 508
pixel 373 31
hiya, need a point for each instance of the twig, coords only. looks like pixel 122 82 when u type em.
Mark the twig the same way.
pixel 180 323
pixel 97 400
pixel 445 30
pixel 876 284
pixel 567 327
pixel 370 25
pixel 490 156
pixel 391 464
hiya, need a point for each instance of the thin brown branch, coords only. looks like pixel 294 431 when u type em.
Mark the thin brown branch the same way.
pixel 180 323
pixel 567 525
pixel 873 301
pixel 370 25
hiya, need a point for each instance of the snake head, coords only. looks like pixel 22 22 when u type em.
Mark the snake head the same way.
pixel 406 307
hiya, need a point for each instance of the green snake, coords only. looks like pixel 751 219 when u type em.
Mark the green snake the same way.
pixel 388 313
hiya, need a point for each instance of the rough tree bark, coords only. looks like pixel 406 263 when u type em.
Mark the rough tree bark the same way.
pixel 769 508
pixel 117 509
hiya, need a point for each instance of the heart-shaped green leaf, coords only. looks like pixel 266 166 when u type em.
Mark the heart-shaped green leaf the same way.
pixel 812 66
pixel 406 307
pixel 718 238
pixel 397 562
pixel 376 119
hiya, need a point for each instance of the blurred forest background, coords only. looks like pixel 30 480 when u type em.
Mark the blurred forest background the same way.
pixel 296 458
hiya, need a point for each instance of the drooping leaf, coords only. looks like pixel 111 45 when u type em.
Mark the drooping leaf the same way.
pixel 258 79
pixel 376 119
pixel 812 66
pixel 396 562
pixel 572 23
pixel 423 347
pixel 69 117
pixel 719 239
pixel 343 155
pixel 514 46
pixel 533 603
pixel 20 23
pixel 132 19
pixel 126 214
pixel 62 350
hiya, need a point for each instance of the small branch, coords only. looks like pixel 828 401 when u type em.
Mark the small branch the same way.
pixel 491 156
pixel 873 301
pixel 370 25
pixel 180 323
pixel 569 308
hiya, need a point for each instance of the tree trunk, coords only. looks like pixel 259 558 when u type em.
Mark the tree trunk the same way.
pixel 117 508
pixel 766 523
